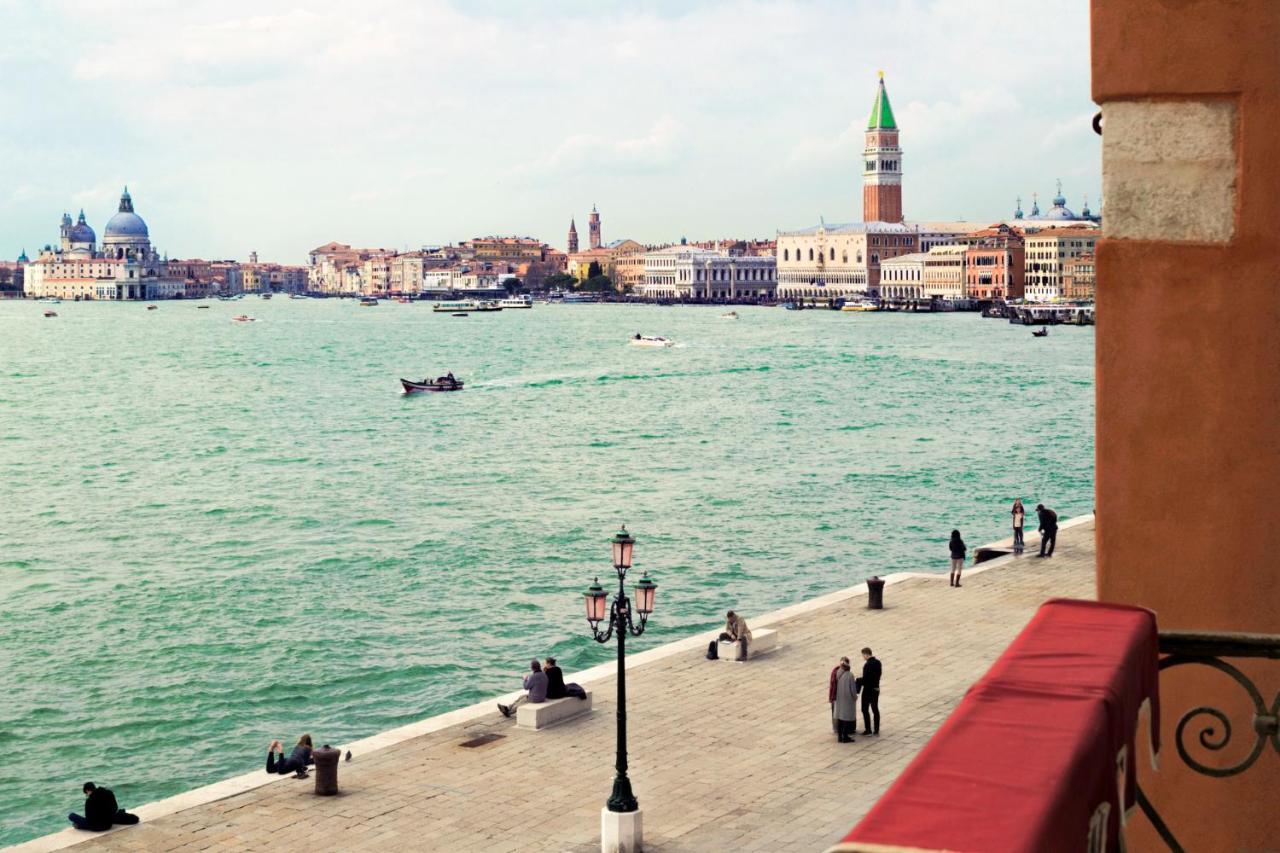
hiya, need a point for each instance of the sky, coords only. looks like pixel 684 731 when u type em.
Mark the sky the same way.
pixel 244 125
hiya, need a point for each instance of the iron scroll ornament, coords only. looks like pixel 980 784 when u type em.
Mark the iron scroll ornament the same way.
pixel 1181 648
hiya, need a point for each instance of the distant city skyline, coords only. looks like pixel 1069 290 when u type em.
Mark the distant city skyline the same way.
pixel 252 126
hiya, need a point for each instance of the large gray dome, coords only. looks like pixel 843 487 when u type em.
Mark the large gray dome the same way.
pixel 82 233
pixel 126 224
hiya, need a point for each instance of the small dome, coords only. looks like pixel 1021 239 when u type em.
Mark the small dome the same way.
pixel 82 233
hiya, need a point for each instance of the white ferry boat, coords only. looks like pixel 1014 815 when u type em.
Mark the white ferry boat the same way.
pixel 516 302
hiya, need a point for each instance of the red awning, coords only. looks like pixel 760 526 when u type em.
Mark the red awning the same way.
pixel 1038 756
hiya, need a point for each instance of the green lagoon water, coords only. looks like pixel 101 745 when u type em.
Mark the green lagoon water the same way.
pixel 213 534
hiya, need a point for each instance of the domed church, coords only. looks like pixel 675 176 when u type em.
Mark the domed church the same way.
pixel 127 267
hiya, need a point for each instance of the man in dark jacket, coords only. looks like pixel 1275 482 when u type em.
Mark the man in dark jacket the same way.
pixel 1048 529
pixel 870 684
pixel 100 810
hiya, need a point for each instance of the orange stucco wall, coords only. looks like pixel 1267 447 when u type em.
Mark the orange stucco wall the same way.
pixel 1188 433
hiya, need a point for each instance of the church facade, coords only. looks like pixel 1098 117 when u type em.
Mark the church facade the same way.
pixel 124 267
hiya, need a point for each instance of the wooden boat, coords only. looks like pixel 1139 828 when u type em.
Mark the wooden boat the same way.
pixel 51 313
pixel 1040 333
pixel 243 318
pixel 459 314
pixel 444 383
pixel 205 307
pixel 152 307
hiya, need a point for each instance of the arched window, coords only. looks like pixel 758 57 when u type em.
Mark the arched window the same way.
pixel 833 253
pixel 811 253
pixel 844 256
pixel 786 254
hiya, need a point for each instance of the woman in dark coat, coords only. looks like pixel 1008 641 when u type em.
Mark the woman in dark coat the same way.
pixel 958 550
pixel 297 761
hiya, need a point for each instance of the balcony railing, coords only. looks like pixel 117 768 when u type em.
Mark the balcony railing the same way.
pixel 1214 729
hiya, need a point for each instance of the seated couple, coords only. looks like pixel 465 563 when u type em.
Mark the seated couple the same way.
pixel 543 683
pixel 100 810
pixel 736 632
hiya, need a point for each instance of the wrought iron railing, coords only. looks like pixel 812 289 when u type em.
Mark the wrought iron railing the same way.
pixel 1182 648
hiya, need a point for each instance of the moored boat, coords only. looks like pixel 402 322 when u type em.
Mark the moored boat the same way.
pixel 516 302
pixel 864 305
pixel 443 383
pixel 367 301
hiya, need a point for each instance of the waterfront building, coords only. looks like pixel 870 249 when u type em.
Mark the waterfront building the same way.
pixel 994 264
pixel 126 266
pixel 943 276
pixel 1079 278
pixel 1046 252
pixel 692 272
pixel 572 245
pixel 832 261
pixel 902 278
pixel 579 265
pixel 12 274
pixel 628 269
pixel 337 268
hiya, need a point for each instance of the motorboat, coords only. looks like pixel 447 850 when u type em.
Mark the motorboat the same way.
pixel 152 307
pixel 1042 332
pixel 864 305
pixel 459 314
pixel 403 300
pixel 732 315
pixel 367 301
pixel 266 294
pixel 516 302
pixel 443 383
pixel 651 341
pixel 244 318
pixel 202 307
pixel 51 313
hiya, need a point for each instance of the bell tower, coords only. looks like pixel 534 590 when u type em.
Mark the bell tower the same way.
pixel 593 228
pixel 882 164
pixel 573 238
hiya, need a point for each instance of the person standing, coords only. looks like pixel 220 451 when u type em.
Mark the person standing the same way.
pixel 846 703
pixel 831 691
pixel 958 551
pixel 1019 517
pixel 869 684
pixel 1048 529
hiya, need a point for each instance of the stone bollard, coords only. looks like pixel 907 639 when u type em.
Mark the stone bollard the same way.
pixel 326 759
pixel 875 594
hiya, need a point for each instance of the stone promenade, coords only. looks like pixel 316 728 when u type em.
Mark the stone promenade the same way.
pixel 724 756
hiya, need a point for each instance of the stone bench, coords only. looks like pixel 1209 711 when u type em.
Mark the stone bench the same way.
pixel 763 641
pixel 550 712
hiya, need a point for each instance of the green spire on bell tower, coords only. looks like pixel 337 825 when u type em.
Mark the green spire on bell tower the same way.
pixel 881 112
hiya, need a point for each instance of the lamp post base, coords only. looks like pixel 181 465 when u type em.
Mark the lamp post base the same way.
pixel 620 832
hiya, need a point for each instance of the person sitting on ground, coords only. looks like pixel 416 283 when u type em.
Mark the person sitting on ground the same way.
pixel 100 810
pixel 958 551
pixel 555 679
pixel 735 631
pixel 535 685
pixel 297 761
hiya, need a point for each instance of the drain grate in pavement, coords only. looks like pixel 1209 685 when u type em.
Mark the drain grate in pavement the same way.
pixel 480 741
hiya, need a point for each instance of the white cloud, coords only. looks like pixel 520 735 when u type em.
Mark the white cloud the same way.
pixel 278 124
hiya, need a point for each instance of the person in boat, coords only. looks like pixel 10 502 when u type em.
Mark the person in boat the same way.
pixel 453 383
pixel 637 337
pixel 297 761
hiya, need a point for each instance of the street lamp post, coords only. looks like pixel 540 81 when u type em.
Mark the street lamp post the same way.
pixel 621 814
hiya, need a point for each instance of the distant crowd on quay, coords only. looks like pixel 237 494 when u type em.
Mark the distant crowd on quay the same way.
pixel 1034 268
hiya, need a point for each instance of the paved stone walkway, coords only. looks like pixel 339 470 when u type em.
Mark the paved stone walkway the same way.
pixel 724 756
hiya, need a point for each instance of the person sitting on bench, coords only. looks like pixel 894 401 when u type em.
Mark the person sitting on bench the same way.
pixel 100 810
pixel 535 683
pixel 735 631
